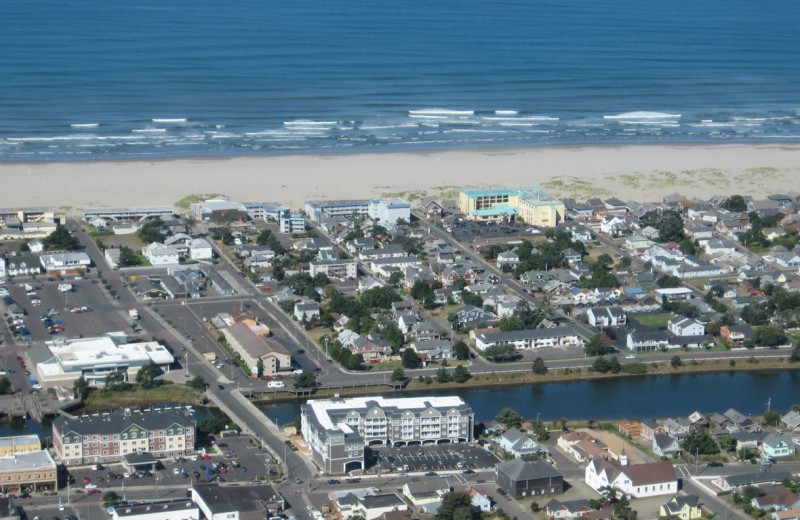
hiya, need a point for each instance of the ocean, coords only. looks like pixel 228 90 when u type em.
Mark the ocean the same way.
pixel 148 78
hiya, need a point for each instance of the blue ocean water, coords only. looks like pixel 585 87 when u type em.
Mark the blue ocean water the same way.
pixel 131 78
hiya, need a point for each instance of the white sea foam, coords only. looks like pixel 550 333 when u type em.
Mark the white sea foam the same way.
pixel 389 127
pixel 149 130
pixel 301 123
pixel 540 119
pixel 440 112
pixel 84 125
pixel 506 112
pixel 640 115
pixel 169 120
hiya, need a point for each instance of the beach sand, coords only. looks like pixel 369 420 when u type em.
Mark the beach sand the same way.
pixel 638 172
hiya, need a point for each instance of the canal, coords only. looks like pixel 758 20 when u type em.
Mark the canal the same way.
pixel 630 397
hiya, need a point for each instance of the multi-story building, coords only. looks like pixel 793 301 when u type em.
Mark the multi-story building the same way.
pixel 65 360
pixel 10 446
pixel 292 223
pixel 128 214
pixel 385 211
pixel 63 264
pixel 532 338
pixel 89 439
pixel 35 470
pixel 338 269
pixel 265 210
pixel 336 430
pixel 531 205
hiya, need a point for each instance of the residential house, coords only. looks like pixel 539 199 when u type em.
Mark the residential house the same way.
pixel 531 338
pixel 777 446
pixel 736 333
pixel 630 428
pixel 665 445
pixel 64 264
pixel 426 491
pixel 682 508
pixel 507 258
pixel 638 480
pixel 200 249
pixel 160 254
pixel 306 310
pixel 683 326
pixel 783 500
pixel 369 506
pixel 432 208
pixel 517 443
pixel 433 351
pixel 606 317
pixel 650 428
pixel 582 446
pixel 111 255
pixel 522 478
pixel 480 502
pixel 643 341
pixel 791 420
pixel 471 316
pixel 678 428
pixel 568 510
pixel 505 309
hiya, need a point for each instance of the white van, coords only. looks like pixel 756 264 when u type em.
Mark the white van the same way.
pixel 276 384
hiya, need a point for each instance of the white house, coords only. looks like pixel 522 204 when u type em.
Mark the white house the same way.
pixel 606 317
pixel 3 273
pixel 683 326
pixel 112 257
pixel 36 246
pixel 200 249
pixel 160 254
pixel 509 258
pixel 306 309
pixel 65 263
pixel 517 443
pixel 638 481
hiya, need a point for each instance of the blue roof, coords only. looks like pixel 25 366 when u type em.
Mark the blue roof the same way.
pixel 498 209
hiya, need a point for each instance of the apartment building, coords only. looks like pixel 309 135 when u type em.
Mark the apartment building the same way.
pixel 162 432
pixel 337 430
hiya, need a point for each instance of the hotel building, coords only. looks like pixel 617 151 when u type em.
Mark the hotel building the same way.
pixel 531 205
pixel 337 430
pixel 162 432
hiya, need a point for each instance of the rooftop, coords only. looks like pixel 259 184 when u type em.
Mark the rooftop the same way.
pixel 27 461
pixel 154 508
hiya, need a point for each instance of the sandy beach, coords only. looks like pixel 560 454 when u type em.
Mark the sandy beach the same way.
pixel 640 172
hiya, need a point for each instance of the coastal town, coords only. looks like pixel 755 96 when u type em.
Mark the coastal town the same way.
pixel 142 343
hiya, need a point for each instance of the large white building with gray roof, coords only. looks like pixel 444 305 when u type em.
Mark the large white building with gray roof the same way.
pixel 337 430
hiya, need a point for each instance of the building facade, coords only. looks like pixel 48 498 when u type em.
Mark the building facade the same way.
pixel 531 205
pixel 336 430
pixel 162 432
pixel 339 269
pixel 35 470
pixel 10 446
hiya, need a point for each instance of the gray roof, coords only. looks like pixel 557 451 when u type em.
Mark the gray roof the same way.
pixel 243 499
pixel 757 478
pixel 521 335
pixel 163 507
pixel 382 501
pixel 119 420
pixel 520 470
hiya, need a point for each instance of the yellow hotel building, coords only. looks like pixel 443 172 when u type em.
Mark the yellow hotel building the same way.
pixel 531 205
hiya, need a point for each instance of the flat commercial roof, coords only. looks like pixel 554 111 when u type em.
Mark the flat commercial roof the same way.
pixel 19 440
pixel 321 407
pixel 27 461
pixel 76 353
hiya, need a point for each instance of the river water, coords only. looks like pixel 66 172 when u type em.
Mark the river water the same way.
pixel 631 397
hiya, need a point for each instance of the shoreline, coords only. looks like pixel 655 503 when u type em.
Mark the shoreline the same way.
pixel 527 378
pixel 637 171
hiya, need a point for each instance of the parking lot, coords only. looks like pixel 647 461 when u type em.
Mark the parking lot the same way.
pixel 85 311
pixel 237 460
pixel 443 457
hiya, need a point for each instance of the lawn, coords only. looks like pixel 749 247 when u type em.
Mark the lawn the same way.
pixel 654 320
pixel 165 393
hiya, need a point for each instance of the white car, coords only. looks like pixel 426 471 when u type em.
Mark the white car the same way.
pixel 91 486
pixel 176 471
pixel 630 356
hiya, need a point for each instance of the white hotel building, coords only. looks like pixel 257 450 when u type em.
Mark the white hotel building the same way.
pixel 337 430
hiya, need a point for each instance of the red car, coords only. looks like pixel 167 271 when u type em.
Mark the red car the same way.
pixel 94 491
pixel 206 457
pixel 86 480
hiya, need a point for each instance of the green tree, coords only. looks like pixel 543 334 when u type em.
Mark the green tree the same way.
pixel 457 505
pixel 500 353
pixel 769 336
pixel 151 231
pixel 598 345
pixel 115 381
pixel 398 374
pixel 700 442
pixel 305 381
pixel 410 358
pixel 443 376
pixel 110 498
pixel 511 323
pixel 260 367
pixel 461 350
pixel 794 357
pixel 689 247
pixel 772 418
pixel 675 362
pixel 670 227
pixel 61 240
pixel 197 383
pixel 128 257
pixel 461 374
pixel 393 335
pixel 472 299
pixel 146 377
pixel 5 386
pixel 539 367
pixel 81 387
pixel 540 430
pixel 509 418
pixel 735 203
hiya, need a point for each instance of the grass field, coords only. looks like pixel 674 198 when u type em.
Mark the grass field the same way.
pixel 654 320
pixel 163 394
